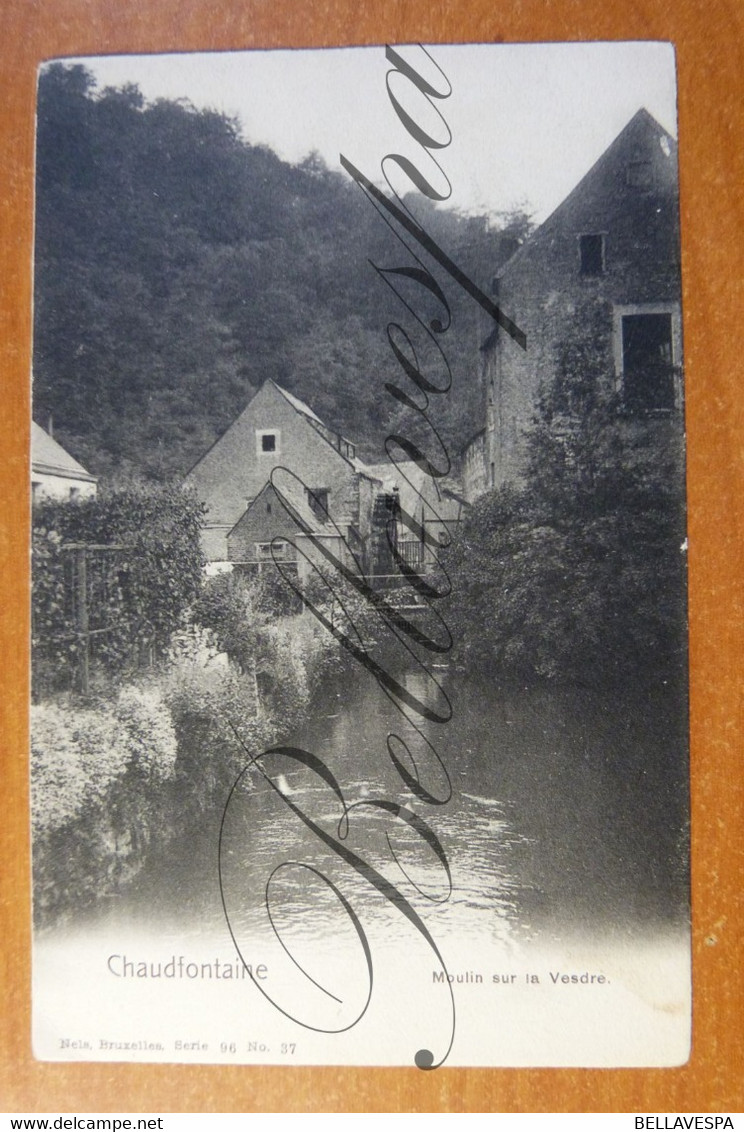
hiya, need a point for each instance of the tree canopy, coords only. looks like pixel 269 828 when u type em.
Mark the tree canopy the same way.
pixel 178 267
pixel 580 574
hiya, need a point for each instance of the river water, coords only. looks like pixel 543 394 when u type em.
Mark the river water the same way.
pixel 568 812
pixel 564 839
pixel 568 807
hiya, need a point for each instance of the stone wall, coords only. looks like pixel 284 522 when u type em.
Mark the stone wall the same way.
pixel 611 248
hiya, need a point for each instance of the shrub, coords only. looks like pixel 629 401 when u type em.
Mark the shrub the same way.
pixel 137 595
pixel 228 609
pixel 580 575
pixel 149 739
pixel 76 756
pixel 99 795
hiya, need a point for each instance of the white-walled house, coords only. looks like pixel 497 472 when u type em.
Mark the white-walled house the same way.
pixel 55 474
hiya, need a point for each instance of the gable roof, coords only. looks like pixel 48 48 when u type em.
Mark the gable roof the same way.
pixel 48 457
pixel 325 430
pixel 297 500
pixel 641 130
pixel 297 404
pixel 321 428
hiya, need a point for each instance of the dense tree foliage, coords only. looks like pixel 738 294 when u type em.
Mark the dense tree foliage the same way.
pixel 142 572
pixel 580 574
pixel 178 267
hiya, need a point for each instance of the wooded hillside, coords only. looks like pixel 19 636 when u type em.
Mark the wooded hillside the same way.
pixel 178 267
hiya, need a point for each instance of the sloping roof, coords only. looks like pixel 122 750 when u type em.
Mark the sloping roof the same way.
pixel 414 485
pixel 296 498
pixel 50 458
pixel 306 411
pixel 641 126
pixel 299 405
pixel 406 472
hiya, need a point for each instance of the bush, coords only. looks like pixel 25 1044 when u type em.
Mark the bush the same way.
pixel 228 608
pixel 580 574
pixel 149 740
pixel 76 756
pixel 137 595
pixel 99 793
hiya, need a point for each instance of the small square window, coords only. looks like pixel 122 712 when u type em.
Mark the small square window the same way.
pixel 591 251
pixel 268 441
pixel 318 500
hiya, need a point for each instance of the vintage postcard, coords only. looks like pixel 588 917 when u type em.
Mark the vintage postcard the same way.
pixel 359 720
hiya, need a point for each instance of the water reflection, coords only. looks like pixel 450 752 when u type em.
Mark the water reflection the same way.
pixel 568 815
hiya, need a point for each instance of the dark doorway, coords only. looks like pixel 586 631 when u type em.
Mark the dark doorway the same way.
pixel 648 370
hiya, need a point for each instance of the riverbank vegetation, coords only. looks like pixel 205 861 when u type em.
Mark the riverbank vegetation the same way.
pixel 149 755
pixel 579 574
pixel 114 576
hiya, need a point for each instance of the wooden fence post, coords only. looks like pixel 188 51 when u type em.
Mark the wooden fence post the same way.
pixel 81 604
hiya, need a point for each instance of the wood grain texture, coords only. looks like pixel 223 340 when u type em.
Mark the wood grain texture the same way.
pixel 709 37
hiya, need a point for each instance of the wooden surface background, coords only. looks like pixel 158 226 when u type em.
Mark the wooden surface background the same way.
pixel 709 37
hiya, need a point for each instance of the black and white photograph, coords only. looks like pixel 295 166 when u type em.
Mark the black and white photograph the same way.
pixel 359 697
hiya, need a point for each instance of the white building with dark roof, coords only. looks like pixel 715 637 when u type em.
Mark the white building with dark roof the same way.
pixel 277 434
pixel 55 474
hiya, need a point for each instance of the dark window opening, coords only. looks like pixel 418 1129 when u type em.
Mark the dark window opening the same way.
pixel 591 250
pixel 277 549
pixel 318 500
pixel 268 442
pixel 648 369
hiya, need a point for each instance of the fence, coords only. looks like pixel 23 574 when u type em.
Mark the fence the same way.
pixel 77 592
